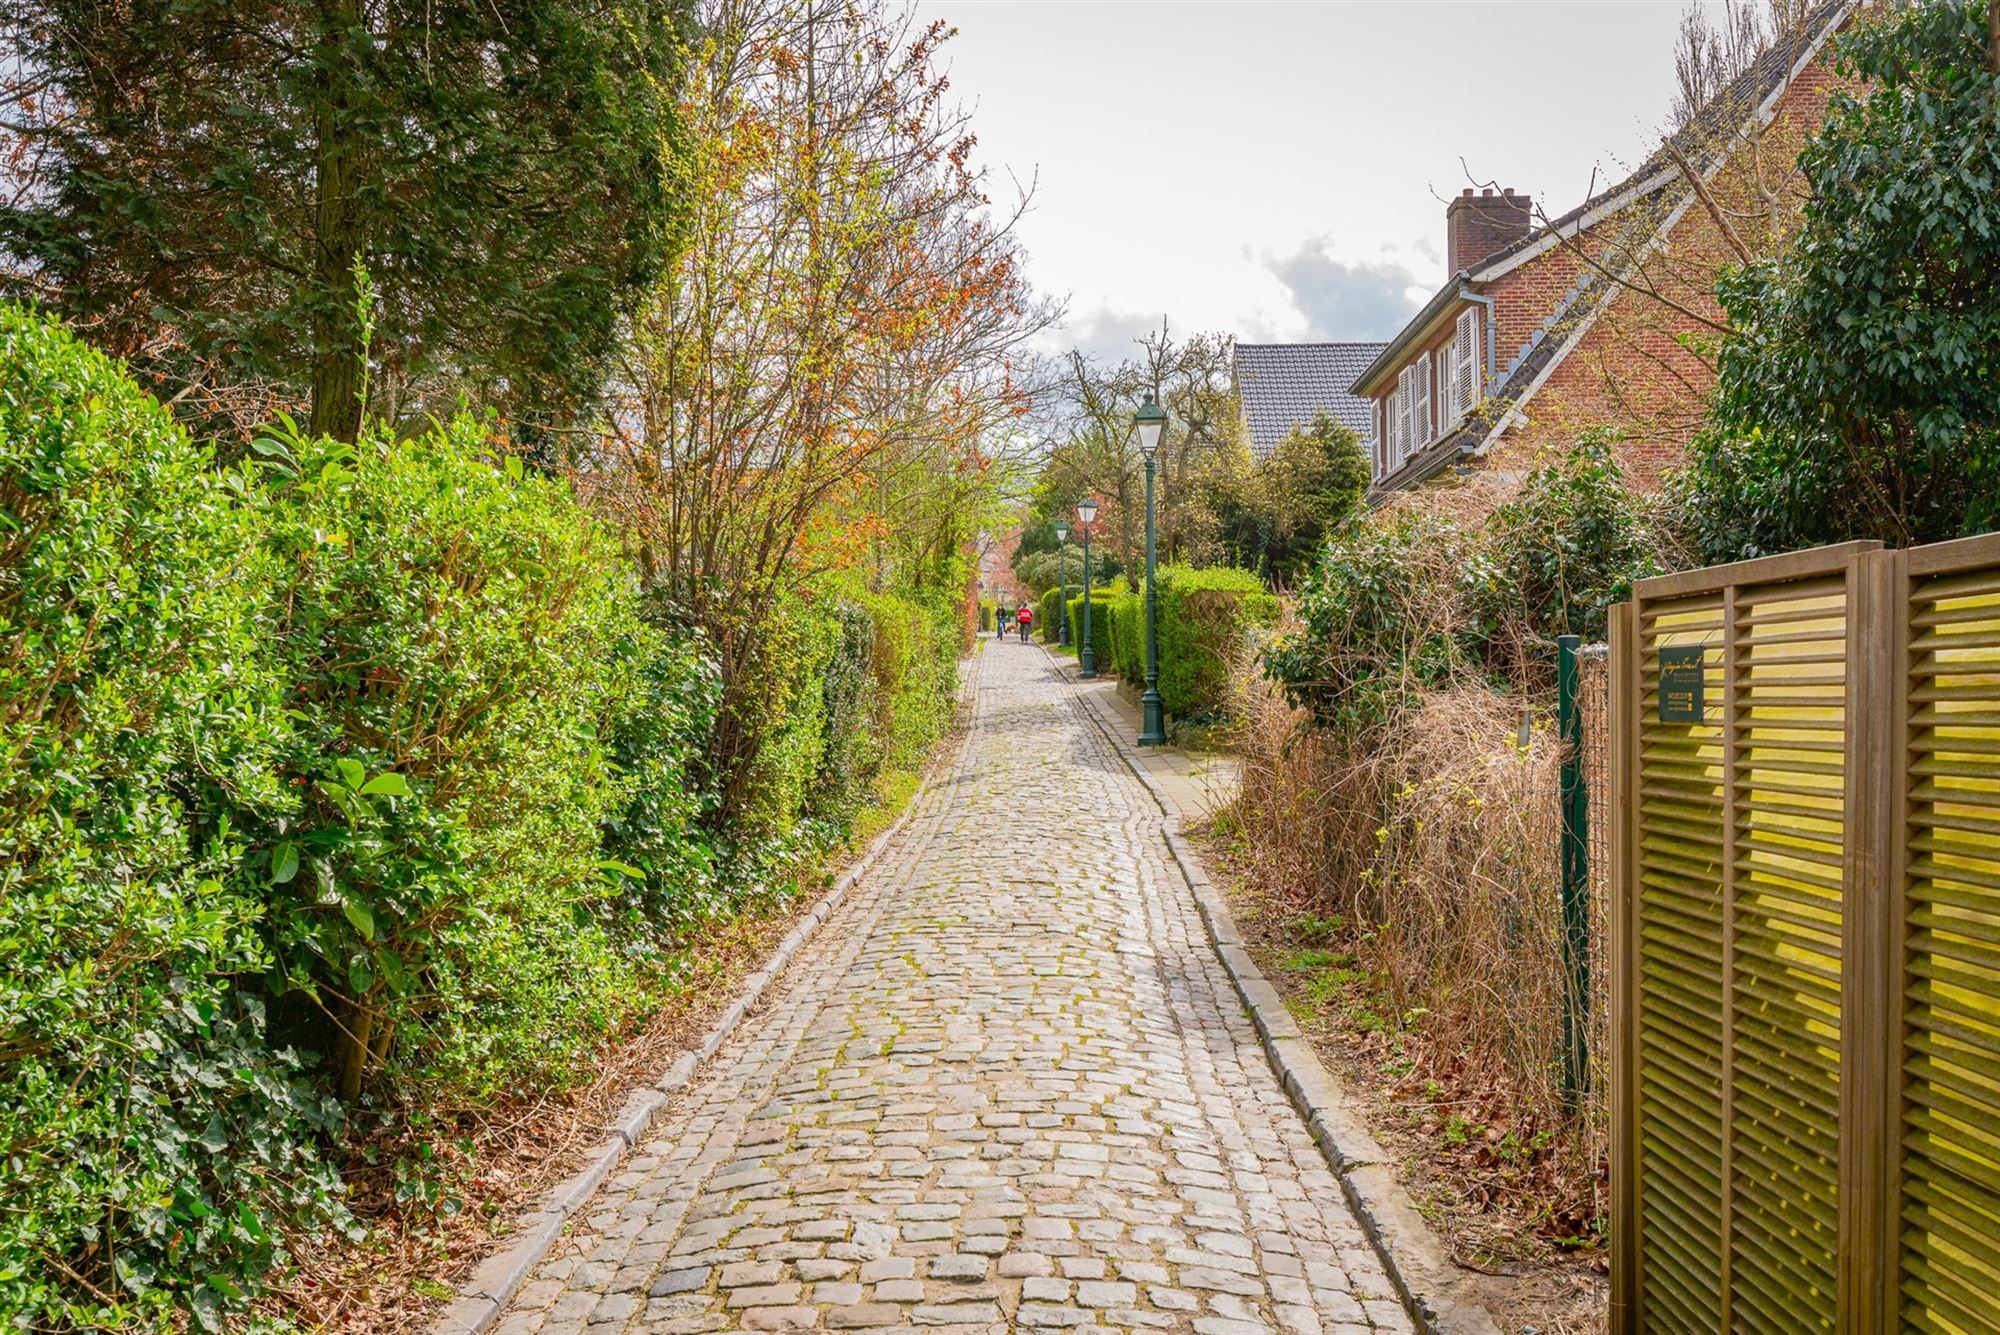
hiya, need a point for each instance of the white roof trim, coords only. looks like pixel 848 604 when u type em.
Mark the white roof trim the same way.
pixel 1766 111
pixel 1514 410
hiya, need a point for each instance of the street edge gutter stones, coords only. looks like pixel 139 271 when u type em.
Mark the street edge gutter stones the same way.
pixel 1436 1294
pixel 484 1296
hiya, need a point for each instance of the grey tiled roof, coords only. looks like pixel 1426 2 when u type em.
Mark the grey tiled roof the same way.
pixel 1284 385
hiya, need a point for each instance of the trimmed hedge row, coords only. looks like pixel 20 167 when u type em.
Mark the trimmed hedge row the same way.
pixel 1204 616
pixel 346 777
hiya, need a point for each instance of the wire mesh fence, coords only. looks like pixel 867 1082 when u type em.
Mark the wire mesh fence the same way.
pixel 1593 758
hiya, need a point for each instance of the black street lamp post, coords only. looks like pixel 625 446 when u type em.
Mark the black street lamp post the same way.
pixel 1149 421
pixel 1086 515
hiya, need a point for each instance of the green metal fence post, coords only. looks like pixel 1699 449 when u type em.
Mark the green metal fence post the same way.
pixel 1575 799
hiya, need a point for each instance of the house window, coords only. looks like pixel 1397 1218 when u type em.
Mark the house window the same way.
pixel 1461 369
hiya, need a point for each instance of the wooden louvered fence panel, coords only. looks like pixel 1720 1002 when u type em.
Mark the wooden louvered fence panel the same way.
pixel 1948 1272
pixel 1806 945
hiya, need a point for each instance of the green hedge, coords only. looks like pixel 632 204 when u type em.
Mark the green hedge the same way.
pixel 1048 610
pixel 343 777
pixel 1203 618
pixel 1100 598
pixel 153 1135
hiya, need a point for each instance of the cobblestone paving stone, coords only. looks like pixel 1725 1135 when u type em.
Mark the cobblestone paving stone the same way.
pixel 1007 1086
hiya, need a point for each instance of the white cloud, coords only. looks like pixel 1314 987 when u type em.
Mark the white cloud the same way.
pixel 1362 299
pixel 1105 335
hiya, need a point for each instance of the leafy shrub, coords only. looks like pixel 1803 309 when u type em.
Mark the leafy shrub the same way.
pixel 661 833
pixel 1204 615
pixel 885 666
pixel 915 675
pixel 155 1141
pixel 1423 596
pixel 1100 628
pixel 1382 619
pixel 456 637
pixel 1554 558
pixel 1204 619
pixel 1124 626
pixel 850 753
pixel 384 739
pixel 1048 614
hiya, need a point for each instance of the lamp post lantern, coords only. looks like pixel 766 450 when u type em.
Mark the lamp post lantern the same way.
pixel 1149 421
pixel 1062 584
pixel 1086 515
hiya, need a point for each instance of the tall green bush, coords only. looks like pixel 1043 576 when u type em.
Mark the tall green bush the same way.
pixel 675 881
pixel 1404 603
pixel 1048 611
pixel 1382 619
pixel 358 770
pixel 1100 599
pixel 879 678
pixel 1123 621
pixel 1205 617
pixel 155 1142
pixel 456 638
pixel 916 674
pixel 1555 557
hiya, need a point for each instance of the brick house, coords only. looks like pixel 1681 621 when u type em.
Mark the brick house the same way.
pixel 1598 318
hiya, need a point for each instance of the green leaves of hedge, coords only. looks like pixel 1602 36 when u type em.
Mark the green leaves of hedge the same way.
pixel 349 781
pixel 131 585
pixel 303 773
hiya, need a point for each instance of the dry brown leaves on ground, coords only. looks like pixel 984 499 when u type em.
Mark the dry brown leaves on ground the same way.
pixel 436 1203
pixel 1511 1188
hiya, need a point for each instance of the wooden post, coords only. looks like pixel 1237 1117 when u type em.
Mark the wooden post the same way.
pixel 1733 817
pixel 1872 914
pixel 1623 850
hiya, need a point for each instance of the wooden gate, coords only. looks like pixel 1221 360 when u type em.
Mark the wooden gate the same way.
pixel 1805 927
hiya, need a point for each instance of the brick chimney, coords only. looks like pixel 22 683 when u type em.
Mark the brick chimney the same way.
pixel 1477 225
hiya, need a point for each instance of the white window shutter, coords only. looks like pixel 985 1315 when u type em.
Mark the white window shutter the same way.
pixel 1421 384
pixel 1465 374
pixel 1405 400
pixel 1448 390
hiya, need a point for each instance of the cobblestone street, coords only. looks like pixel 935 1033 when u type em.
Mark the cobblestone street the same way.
pixel 1008 1085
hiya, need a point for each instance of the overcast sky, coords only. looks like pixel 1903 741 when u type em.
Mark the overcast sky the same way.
pixel 1279 171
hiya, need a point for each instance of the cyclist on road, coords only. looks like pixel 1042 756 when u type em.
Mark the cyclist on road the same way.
pixel 1000 621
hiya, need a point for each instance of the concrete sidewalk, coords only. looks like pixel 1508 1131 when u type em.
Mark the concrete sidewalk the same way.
pixel 1199 785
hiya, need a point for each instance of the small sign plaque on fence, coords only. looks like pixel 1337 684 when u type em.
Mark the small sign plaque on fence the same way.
pixel 1682 670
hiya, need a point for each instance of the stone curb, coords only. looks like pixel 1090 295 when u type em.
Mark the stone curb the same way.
pixel 485 1296
pixel 1437 1296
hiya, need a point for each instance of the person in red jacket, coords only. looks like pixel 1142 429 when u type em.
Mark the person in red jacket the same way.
pixel 1027 619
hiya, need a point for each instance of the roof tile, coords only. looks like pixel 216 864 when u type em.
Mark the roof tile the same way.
pixel 1284 385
